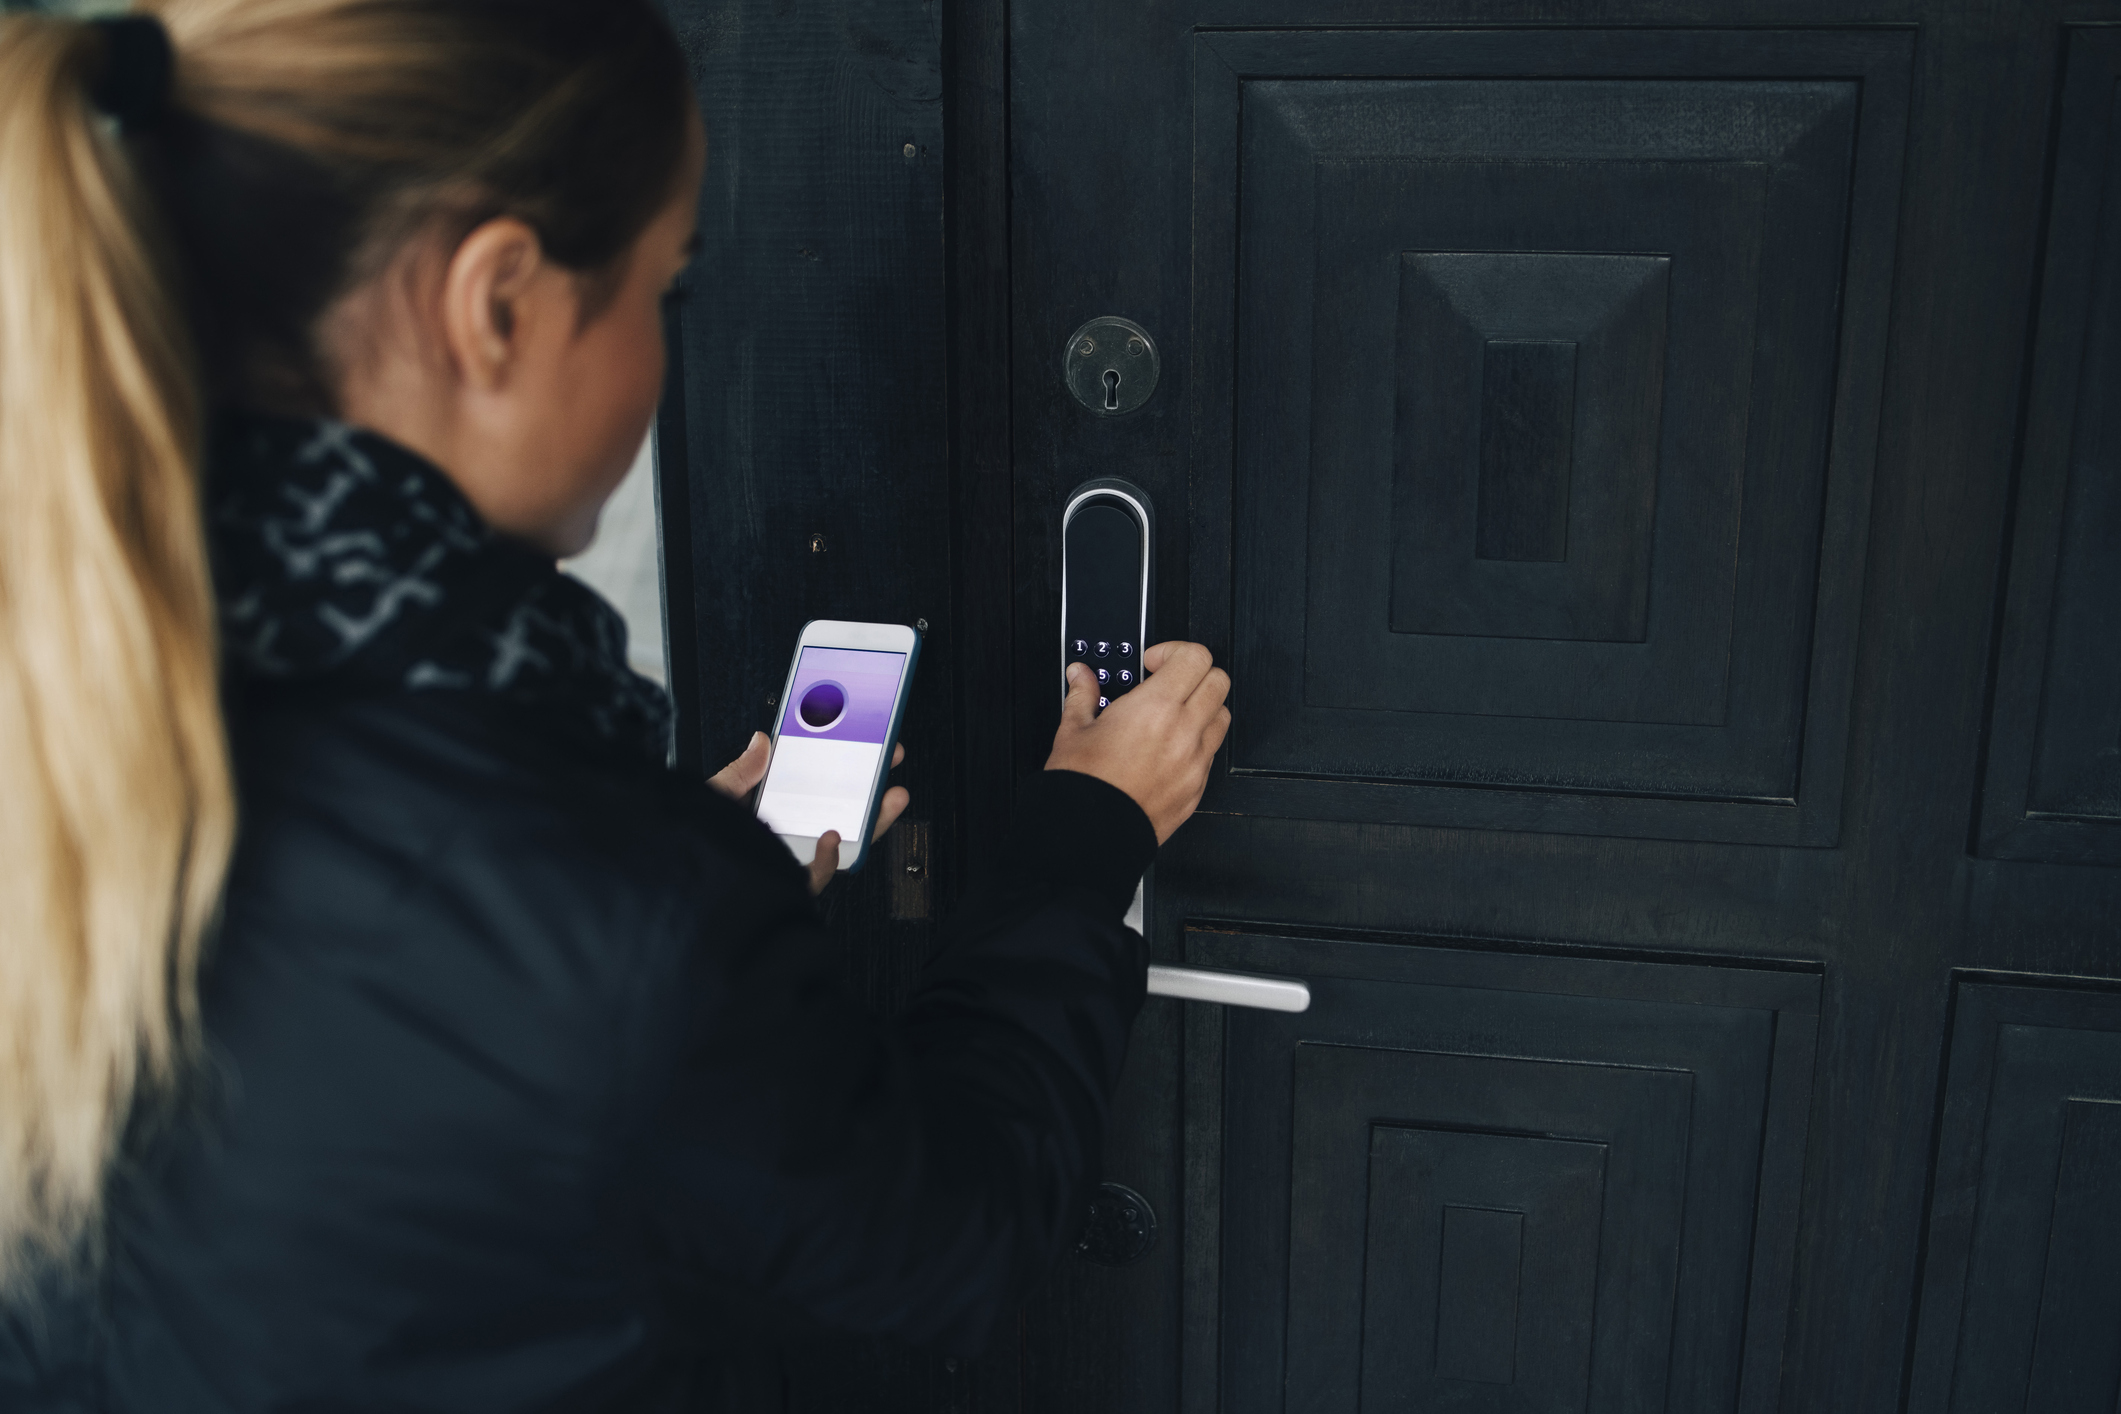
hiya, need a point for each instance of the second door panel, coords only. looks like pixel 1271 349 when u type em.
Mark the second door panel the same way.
pixel 1497 1181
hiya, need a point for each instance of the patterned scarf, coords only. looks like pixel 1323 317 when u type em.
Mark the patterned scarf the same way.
pixel 340 556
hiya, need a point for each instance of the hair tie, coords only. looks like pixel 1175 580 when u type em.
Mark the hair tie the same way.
pixel 133 84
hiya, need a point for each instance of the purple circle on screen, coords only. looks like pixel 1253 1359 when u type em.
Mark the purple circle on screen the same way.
pixel 822 706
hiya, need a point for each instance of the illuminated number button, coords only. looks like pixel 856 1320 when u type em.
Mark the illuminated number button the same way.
pixel 1104 675
pixel 1103 703
pixel 1126 676
pixel 1126 650
pixel 1103 649
pixel 1082 648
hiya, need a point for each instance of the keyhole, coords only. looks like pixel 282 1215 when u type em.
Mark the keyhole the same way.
pixel 1111 390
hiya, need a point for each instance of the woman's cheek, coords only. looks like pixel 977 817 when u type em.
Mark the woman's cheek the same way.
pixel 637 373
pixel 654 359
pixel 630 375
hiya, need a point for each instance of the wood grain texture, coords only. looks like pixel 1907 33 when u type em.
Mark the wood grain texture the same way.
pixel 2054 770
pixel 1527 444
pixel 976 118
pixel 1479 1286
pixel 2022 1284
pixel 814 349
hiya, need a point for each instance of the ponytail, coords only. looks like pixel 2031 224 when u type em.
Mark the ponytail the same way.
pixel 116 812
pixel 301 142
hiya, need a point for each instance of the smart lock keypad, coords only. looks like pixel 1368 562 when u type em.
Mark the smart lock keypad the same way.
pixel 1117 663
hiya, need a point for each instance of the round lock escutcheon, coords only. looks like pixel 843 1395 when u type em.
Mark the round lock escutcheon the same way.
pixel 1119 1229
pixel 1111 365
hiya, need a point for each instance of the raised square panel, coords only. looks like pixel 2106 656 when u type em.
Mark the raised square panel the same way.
pixel 1496 644
pixel 2054 780
pixel 1479 1289
pixel 1552 404
pixel 1525 443
pixel 1527 425
pixel 1431 1136
pixel 2021 1295
pixel 1493 1181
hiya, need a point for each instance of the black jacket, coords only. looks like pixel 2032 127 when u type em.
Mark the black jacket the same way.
pixel 517 1051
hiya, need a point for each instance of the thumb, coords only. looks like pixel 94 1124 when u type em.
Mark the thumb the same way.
pixel 739 776
pixel 1080 710
pixel 825 862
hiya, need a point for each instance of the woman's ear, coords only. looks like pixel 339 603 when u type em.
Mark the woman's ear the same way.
pixel 489 296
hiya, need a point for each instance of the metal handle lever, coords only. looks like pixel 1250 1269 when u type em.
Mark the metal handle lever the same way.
pixel 1229 988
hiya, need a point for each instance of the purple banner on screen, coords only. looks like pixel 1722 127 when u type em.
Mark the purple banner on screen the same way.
pixel 842 694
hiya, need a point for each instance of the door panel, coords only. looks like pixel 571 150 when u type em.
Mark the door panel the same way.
pixel 2022 1300
pixel 1494 1180
pixel 1535 484
pixel 2054 781
pixel 1588 432
pixel 1613 442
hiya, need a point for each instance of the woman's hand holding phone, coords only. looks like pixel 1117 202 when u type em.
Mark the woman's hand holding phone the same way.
pixel 741 776
pixel 1156 742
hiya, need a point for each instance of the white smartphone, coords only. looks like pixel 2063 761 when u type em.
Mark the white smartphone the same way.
pixel 839 718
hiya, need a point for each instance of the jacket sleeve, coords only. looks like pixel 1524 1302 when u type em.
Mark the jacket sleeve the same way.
pixel 910 1176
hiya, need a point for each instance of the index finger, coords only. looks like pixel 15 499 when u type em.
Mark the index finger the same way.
pixel 1177 666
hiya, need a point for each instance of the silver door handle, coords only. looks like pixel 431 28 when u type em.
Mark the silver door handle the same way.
pixel 1229 988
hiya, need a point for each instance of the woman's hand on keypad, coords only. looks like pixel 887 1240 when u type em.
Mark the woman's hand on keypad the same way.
pixel 1155 743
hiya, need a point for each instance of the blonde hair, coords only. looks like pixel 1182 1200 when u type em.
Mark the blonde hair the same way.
pixel 119 815
pixel 302 133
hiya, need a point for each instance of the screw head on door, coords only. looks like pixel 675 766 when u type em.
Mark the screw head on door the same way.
pixel 1111 365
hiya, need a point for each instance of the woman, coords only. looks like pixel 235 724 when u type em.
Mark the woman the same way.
pixel 383 1025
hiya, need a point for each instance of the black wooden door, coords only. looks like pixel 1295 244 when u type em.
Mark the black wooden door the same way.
pixel 1653 470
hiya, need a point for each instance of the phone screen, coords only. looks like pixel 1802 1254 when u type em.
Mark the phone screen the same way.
pixel 834 727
